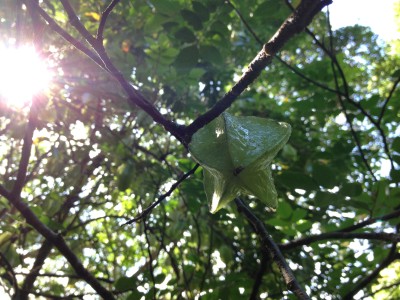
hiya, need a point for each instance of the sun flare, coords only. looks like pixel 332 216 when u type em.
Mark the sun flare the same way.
pixel 22 75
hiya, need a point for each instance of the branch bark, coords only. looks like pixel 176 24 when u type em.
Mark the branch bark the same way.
pixel 30 279
pixel 391 257
pixel 272 249
pixel 294 24
pixel 58 241
pixel 144 213
pixel 380 236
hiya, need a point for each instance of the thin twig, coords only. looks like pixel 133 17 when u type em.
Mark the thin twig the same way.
pixel 151 269
pixel 58 241
pixel 336 66
pixel 72 276
pixel 30 279
pixel 66 36
pixel 207 267
pixel 370 221
pixel 366 280
pixel 381 288
pixel 346 95
pixel 162 197
pixel 4 192
pixel 11 274
pixel 293 69
pixel 103 20
pixel 26 149
pixel 74 21
pixel 272 249
pixel 387 100
pixel 379 236
pixel 258 281
pixel 245 23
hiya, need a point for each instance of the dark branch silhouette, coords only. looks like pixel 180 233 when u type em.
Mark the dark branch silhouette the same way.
pixel 272 250
pixel 144 213
pixel 391 257
pixel 379 236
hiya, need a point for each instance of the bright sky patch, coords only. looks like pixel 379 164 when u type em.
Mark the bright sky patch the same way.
pixel 22 75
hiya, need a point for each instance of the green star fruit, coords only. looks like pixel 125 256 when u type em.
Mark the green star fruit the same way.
pixel 236 155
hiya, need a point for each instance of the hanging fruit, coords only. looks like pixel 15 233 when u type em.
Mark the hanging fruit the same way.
pixel 236 155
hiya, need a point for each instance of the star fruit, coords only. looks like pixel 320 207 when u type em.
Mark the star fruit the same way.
pixel 236 155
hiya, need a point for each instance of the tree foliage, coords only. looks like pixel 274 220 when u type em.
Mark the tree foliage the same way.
pixel 100 197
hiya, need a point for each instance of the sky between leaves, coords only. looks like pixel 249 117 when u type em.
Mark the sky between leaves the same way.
pixel 379 15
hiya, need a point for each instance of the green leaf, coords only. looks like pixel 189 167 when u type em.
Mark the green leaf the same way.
pixel 396 144
pixel 396 159
pixel 351 189
pixel 278 221
pixel 160 278
pixel 126 176
pixel 267 8
pixel 134 295
pixel 185 34
pixel 297 180
pixel 395 175
pixel 284 210
pixel 324 199
pixel 125 284
pixel 5 237
pixel 192 19
pixel 167 7
pixel 187 58
pixel 324 175
pixel 201 10
pixel 210 53
pixel 196 73
pixel 304 226
pixel 396 74
pixel 298 214
pixel 289 152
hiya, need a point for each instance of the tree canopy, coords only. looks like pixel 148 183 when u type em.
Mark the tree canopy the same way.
pixel 101 198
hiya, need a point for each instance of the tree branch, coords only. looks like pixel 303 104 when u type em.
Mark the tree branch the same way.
pixel 30 279
pixel 102 59
pixel 293 25
pixel 336 66
pixel 103 20
pixel 258 281
pixel 293 69
pixel 386 287
pixel 370 221
pixel 345 233
pixel 53 238
pixel 10 275
pixel 59 243
pixel 380 236
pixel 271 248
pixel 26 149
pixel 162 197
pixel 72 276
pixel 392 256
pixel 74 21
pixel 151 269
pixel 33 5
pixel 387 100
